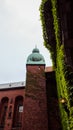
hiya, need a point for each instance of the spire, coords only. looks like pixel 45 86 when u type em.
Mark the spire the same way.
pixel 35 46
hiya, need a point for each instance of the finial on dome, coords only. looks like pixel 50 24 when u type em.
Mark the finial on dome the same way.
pixel 35 46
pixel 35 50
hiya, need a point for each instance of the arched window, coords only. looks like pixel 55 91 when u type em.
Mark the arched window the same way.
pixel 3 111
pixel 18 112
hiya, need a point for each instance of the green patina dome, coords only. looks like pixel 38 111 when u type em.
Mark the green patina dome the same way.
pixel 35 58
pixel 35 50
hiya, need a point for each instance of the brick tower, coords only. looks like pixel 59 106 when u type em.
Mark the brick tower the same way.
pixel 35 108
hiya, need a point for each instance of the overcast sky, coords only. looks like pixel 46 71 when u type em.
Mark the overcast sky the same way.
pixel 20 31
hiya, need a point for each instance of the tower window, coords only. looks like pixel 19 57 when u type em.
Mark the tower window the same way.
pixel 10 115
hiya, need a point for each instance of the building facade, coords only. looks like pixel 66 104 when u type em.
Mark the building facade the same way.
pixel 11 106
pixel 33 105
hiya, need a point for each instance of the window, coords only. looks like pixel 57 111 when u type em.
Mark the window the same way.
pixel 10 115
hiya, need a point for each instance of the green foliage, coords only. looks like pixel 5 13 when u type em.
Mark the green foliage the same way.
pixel 60 68
pixel 45 36
pixel 56 22
pixel 62 85
pixel 43 23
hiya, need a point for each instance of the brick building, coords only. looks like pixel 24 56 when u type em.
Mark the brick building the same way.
pixel 11 106
pixel 33 105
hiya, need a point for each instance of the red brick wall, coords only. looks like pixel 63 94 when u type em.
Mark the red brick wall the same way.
pixel 11 94
pixel 35 103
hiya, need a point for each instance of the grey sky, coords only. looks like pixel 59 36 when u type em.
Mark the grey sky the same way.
pixel 20 31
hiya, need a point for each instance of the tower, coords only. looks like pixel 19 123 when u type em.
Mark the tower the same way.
pixel 35 108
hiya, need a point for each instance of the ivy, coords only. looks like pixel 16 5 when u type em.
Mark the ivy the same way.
pixel 45 36
pixel 60 68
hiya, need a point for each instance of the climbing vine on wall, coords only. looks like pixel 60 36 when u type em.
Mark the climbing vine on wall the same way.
pixel 45 35
pixel 62 84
